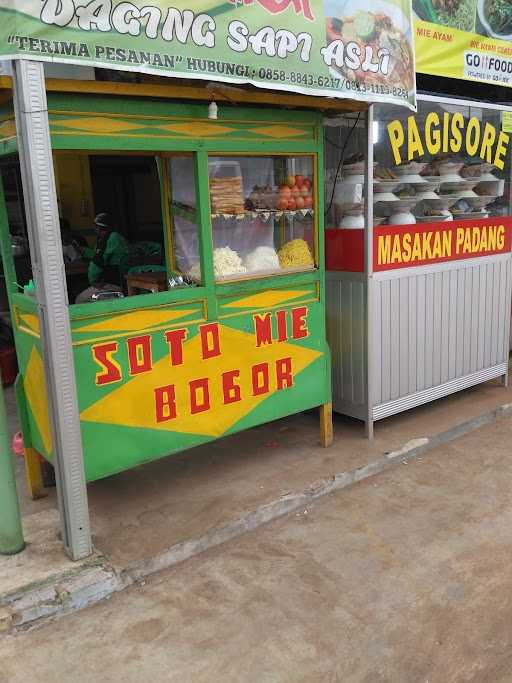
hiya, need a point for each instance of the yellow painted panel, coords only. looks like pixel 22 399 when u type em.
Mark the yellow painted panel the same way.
pixel 74 183
pixel 97 124
pixel 280 131
pixel 267 299
pixel 7 129
pixel 197 129
pixel 135 320
pixel 35 391
pixel 31 321
pixel 133 404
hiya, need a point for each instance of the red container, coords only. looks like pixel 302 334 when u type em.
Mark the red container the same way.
pixel 344 250
pixel 8 365
pixel 17 445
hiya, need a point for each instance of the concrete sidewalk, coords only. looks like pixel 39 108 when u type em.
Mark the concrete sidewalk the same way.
pixel 403 578
pixel 147 519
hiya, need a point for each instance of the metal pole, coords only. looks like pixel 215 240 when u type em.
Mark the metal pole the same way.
pixel 11 533
pixel 368 250
pixel 31 110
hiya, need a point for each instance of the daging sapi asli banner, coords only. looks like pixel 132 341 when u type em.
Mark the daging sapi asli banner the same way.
pixel 360 49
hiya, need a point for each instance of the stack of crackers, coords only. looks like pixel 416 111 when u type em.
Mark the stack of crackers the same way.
pixel 226 195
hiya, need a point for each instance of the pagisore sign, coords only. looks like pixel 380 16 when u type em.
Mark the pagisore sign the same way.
pixel 447 134
pixel 330 48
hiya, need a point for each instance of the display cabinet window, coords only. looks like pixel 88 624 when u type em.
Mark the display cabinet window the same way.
pixel 345 145
pixel 184 218
pixel 448 161
pixel 263 215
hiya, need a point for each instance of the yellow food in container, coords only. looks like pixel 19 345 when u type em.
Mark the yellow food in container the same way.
pixel 295 253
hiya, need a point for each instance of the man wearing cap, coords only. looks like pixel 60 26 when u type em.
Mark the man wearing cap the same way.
pixel 106 258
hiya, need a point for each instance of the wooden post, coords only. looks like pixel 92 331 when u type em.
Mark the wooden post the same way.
pixel 326 430
pixel 34 474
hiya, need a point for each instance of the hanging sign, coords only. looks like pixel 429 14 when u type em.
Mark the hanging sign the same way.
pixel 359 49
pixel 447 133
pixel 400 246
pixel 466 39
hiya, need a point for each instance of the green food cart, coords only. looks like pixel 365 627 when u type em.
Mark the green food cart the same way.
pixel 232 334
pixel 219 325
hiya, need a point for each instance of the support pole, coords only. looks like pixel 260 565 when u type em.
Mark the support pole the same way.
pixel 368 267
pixel 33 131
pixel 11 533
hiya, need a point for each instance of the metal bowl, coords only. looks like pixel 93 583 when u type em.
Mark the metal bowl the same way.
pixel 480 202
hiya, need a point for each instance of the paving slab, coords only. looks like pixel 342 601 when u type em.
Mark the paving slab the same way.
pixel 42 558
pixel 156 515
pixel 403 578
pixel 139 513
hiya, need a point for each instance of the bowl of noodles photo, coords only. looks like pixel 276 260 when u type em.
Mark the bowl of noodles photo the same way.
pixel 496 18
pixel 383 27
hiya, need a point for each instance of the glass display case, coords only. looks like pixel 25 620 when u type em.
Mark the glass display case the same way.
pixel 345 145
pixel 262 215
pixel 447 161
pixel 418 253
pixel 263 220
pixel 183 216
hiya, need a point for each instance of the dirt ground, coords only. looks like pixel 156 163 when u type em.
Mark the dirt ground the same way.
pixel 405 577
pixel 142 512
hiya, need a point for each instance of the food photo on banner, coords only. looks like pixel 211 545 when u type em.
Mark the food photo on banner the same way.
pixel 468 39
pixel 359 49
pixel 492 18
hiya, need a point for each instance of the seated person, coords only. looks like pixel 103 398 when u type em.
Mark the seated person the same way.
pixel 72 242
pixel 69 236
pixel 110 252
